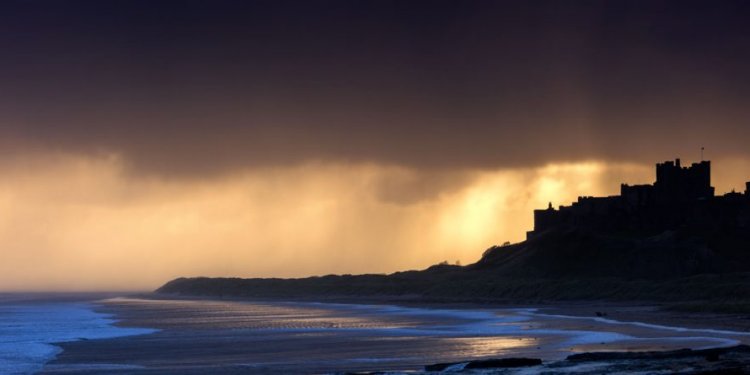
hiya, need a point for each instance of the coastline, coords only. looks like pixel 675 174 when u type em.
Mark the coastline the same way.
pixel 116 352
pixel 37 326
pixel 648 312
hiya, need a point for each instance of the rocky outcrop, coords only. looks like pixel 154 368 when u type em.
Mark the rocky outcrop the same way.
pixel 485 364
pixel 731 360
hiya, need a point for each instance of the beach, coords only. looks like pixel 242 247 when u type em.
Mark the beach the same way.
pixel 229 336
pixel 34 326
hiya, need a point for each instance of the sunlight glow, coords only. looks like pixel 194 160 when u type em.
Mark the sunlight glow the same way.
pixel 85 223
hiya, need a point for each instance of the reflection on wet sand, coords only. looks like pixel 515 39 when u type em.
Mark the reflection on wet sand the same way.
pixel 227 336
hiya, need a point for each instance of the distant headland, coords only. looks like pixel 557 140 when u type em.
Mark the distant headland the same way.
pixel 673 241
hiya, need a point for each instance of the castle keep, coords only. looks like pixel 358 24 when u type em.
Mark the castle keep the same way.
pixel 681 197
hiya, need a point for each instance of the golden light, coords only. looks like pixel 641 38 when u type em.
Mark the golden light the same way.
pixel 87 223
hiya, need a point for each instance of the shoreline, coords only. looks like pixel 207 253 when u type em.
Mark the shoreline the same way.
pixel 130 354
pixel 647 312
pixel 38 328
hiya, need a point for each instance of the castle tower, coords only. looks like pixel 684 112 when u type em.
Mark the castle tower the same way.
pixel 677 183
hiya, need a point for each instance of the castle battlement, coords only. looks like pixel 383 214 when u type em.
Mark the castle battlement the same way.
pixel 680 197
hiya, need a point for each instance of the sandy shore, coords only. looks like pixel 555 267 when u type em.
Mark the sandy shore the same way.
pixel 652 314
pixel 629 311
pixel 190 343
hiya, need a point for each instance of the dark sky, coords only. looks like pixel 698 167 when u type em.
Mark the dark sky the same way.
pixel 195 87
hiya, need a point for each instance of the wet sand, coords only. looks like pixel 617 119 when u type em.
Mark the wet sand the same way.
pixel 652 314
pixel 228 337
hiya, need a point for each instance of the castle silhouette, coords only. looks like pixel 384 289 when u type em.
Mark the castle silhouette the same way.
pixel 681 197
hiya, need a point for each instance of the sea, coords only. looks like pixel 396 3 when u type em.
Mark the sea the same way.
pixel 128 334
pixel 31 325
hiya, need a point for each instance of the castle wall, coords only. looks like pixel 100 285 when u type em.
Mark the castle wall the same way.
pixel 676 183
pixel 680 197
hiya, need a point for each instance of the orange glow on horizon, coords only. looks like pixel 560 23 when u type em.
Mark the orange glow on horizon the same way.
pixel 75 223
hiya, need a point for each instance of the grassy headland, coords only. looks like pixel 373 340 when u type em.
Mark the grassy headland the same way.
pixel 686 271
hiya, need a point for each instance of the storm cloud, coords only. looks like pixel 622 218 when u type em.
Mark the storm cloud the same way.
pixel 144 140
pixel 197 88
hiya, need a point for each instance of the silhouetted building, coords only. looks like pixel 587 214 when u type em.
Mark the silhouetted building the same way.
pixel 680 197
pixel 677 183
